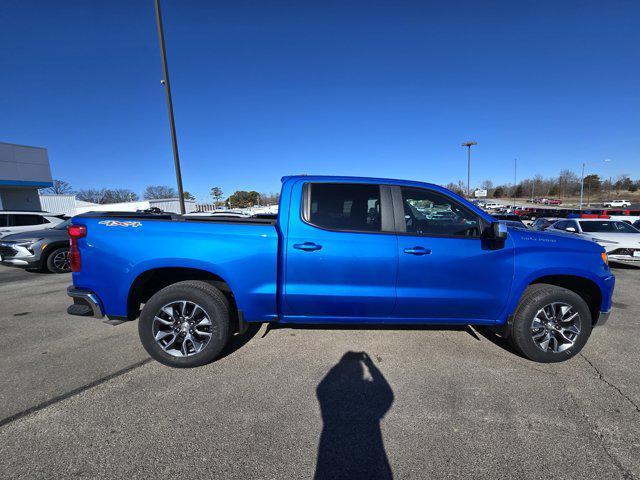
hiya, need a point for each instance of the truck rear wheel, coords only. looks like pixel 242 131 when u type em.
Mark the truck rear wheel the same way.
pixel 185 324
pixel 551 324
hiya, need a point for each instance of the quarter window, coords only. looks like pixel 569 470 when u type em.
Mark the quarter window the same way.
pixel 430 213
pixel 341 206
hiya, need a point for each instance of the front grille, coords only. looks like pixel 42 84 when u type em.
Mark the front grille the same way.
pixel 6 251
pixel 623 251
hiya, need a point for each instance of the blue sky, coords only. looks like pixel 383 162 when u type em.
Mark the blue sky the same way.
pixel 264 89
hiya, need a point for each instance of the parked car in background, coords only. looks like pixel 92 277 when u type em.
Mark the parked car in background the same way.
pixel 45 249
pixel 542 223
pixel 17 221
pixel 510 220
pixel 620 240
pixel 616 203
pixel 493 205
pixel 551 201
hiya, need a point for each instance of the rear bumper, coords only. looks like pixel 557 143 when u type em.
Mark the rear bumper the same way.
pixel 85 303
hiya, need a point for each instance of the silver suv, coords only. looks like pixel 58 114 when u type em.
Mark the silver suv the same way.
pixel 46 249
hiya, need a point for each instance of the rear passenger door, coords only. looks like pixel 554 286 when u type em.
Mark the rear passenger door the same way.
pixel 341 253
pixel 447 272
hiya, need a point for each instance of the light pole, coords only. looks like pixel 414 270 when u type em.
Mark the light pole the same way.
pixel 172 123
pixel 469 145
pixel 515 180
pixel 606 160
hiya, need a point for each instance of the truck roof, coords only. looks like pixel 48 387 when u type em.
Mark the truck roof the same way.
pixel 339 178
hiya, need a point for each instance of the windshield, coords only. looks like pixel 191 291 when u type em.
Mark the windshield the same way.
pixel 63 225
pixel 607 227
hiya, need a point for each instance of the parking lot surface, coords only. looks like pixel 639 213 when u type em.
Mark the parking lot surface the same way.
pixel 80 398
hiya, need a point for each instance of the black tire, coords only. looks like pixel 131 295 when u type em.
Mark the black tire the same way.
pixel 533 300
pixel 214 304
pixel 58 261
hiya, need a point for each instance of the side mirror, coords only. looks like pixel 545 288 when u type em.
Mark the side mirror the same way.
pixel 499 230
pixel 570 229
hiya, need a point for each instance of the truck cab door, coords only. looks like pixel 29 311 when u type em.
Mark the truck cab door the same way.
pixel 341 253
pixel 447 272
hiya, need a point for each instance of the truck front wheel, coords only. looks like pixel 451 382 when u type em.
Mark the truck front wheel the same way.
pixel 185 324
pixel 551 324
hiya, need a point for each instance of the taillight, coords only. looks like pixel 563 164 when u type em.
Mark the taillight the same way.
pixel 75 232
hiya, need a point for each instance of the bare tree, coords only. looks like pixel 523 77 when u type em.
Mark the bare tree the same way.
pixel 92 195
pixel 107 195
pixel 486 185
pixel 59 187
pixel 118 195
pixel 154 192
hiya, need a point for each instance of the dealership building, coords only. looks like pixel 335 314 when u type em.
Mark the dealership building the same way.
pixel 23 170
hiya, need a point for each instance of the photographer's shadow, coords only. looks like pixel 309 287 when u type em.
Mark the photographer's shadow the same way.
pixel 352 404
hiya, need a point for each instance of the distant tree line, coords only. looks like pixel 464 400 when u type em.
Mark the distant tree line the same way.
pixel 239 199
pixel 566 184
pixel 113 195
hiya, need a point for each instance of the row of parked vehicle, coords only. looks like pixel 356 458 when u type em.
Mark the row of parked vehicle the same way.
pixel 620 239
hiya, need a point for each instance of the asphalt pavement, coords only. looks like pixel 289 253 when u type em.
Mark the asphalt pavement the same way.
pixel 80 398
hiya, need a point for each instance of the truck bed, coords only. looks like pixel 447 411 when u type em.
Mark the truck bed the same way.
pixel 121 250
pixel 173 217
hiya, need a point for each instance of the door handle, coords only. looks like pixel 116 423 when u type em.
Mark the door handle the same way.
pixel 417 251
pixel 307 246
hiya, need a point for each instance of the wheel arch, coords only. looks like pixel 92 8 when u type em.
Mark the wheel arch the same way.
pixel 52 247
pixel 587 289
pixel 151 281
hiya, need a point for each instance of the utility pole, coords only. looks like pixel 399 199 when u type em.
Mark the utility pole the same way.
pixel 469 145
pixel 172 123
pixel 606 160
pixel 515 179
pixel 582 185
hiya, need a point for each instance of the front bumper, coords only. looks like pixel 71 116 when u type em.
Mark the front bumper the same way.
pixel 85 303
pixel 625 259
pixel 14 254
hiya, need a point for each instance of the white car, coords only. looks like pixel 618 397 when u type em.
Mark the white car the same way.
pixel 493 206
pixel 619 239
pixel 617 203
pixel 20 221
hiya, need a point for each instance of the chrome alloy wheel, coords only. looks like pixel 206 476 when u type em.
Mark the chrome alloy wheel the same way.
pixel 555 327
pixel 182 328
pixel 61 261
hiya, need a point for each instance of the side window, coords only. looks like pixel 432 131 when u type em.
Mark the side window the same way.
pixel 26 220
pixel 561 225
pixel 430 213
pixel 342 206
pixel 4 220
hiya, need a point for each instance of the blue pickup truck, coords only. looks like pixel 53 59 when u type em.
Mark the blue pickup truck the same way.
pixel 342 250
